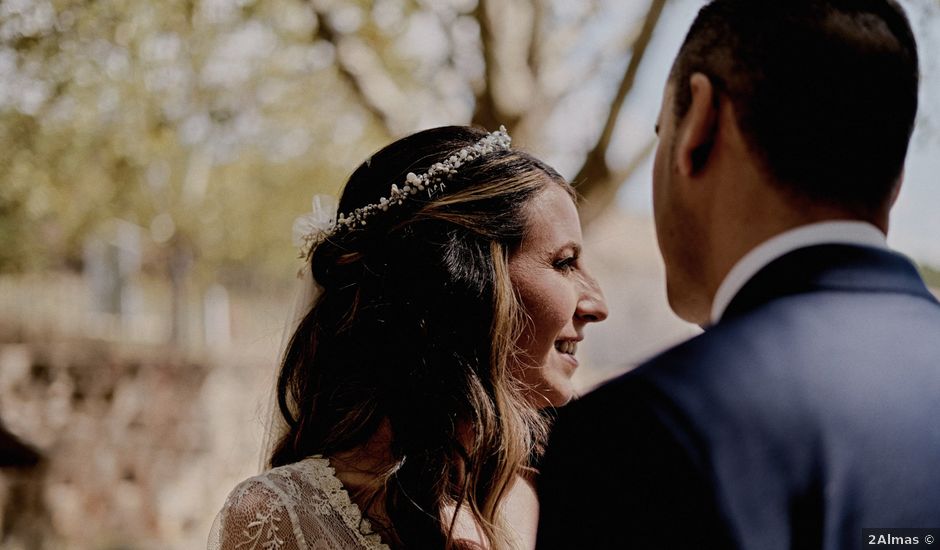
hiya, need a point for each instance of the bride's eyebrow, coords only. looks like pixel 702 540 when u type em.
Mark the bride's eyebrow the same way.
pixel 575 247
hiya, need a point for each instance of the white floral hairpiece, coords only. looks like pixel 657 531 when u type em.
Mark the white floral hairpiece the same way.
pixel 312 228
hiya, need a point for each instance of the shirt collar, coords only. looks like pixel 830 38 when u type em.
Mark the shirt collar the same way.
pixel 832 232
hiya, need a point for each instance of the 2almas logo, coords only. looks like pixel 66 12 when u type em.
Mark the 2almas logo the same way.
pixel 888 539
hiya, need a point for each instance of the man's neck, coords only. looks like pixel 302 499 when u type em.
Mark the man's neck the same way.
pixel 762 212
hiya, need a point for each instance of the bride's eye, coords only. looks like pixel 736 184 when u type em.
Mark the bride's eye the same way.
pixel 566 264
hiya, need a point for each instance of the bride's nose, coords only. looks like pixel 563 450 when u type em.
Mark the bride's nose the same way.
pixel 592 308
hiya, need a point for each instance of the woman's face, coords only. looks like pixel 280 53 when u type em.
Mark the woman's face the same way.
pixel 558 293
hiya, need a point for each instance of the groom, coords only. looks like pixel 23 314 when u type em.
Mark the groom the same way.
pixel 810 407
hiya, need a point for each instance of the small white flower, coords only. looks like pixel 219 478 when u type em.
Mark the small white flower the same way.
pixel 319 221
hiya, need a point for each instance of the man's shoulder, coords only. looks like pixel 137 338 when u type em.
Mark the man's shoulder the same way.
pixel 773 357
pixel 681 360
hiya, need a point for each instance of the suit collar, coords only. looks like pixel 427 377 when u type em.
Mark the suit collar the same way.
pixel 827 232
pixel 829 267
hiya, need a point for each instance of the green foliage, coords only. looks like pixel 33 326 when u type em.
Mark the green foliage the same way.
pixel 217 118
pixel 930 274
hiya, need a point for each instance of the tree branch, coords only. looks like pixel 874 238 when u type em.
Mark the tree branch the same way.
pixel 595 172
pixel 534 56
pixel 604 191
pixel 487 112
pixel 327 33
pixel 546 101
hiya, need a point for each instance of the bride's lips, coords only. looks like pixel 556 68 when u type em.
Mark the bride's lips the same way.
pixel 566 348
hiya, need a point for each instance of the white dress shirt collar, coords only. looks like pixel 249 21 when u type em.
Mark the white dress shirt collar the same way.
pixel 834 232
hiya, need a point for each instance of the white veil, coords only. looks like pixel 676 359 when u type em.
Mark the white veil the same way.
pixel 307 231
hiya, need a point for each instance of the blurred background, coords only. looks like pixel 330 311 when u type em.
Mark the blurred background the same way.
pixel 153 156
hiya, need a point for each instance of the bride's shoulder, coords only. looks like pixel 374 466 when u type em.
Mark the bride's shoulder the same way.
pixel 309 478
pixel 302 501
pixel 521 509
pixel 259 509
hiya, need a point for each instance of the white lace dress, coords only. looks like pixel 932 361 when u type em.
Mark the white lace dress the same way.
pixel 300 506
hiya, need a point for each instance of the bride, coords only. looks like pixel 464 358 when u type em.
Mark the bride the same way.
pixel 450 300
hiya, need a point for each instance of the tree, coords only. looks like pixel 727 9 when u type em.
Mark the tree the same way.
pixel 210 123
pixel 596 181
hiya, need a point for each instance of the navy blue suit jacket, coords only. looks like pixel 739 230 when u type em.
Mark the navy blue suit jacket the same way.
pixel 809 412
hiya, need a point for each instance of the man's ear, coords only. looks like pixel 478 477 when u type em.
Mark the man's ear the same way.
pixel 697 129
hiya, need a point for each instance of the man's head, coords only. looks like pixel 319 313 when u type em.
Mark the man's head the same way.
pixel 822 96
pixel 824 91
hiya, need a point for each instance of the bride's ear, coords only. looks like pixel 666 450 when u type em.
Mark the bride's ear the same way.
pixel 698 127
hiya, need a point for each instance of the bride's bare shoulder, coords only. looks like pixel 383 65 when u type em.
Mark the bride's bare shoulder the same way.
pixel 522 511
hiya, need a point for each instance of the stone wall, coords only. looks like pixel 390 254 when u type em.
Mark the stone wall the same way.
pixel 131 446
pixel 141 443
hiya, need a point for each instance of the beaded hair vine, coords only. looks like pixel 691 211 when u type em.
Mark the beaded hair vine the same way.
pixel 318 225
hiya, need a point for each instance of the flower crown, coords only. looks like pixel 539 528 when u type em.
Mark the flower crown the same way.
pixel 313 228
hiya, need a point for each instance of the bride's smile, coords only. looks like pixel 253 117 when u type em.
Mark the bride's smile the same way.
pixel 558 293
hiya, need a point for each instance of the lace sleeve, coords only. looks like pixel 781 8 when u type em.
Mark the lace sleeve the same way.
pixel 296 507
pixel 256 517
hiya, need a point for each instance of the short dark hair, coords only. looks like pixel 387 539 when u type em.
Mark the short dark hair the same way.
pixel 825 92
